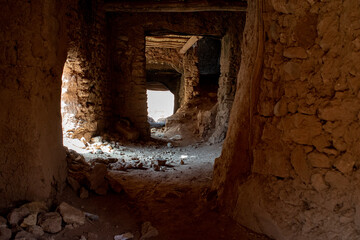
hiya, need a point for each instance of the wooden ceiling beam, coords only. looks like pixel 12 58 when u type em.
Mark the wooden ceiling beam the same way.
pixel 190 6
pixel 189 43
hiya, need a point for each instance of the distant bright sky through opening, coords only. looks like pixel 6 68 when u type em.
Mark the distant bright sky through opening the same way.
pixel 160 104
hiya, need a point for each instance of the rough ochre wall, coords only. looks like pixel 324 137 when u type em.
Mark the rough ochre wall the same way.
pixel 229 66
pixel 304 140
pixel 32 54
pixel 84 75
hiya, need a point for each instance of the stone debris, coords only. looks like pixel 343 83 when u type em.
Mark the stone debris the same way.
pixel 97 180
pixel 83 194
pixel 50 222
pixel 23 235
pixel 17 215
pixel 73 184
pixel 3 221
pixel 36 207
pixel 124 236
pixel 148 231
pixel 71 214
pixel 5 233
pixel 96 173
pixel 36 220
pixel 176 138
pixel 92 236
pixel 30 220
pixel 91 216
pixel 36 230
pixel 161 162
pixel 114 185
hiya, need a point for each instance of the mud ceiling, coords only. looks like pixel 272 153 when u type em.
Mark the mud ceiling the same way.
pixel 289 166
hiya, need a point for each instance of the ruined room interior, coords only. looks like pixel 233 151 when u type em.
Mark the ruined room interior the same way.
pixel 262 139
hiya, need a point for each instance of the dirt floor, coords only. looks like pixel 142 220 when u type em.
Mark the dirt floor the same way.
pixel 174 196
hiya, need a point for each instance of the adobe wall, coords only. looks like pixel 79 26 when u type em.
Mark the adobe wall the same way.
pixel 289 166
pixel 127 74
pixel 84 76
pixel 32 55
pixel 229 66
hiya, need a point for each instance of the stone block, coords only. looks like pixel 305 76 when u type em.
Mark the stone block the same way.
pixel 292 70
pixel 300 164
pixel 319 160
pixel 336 180
pixel 345 163
pixel 280 108
pixel 317 181
pixel 272 162
pixel 300 128
pixel 295 52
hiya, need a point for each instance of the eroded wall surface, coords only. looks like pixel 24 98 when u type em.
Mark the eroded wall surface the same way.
pixel 85 72
pixel 296 177
pixel 229 66
pixel 32 54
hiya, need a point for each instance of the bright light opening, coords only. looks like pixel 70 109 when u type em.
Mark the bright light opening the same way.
pixel 160 104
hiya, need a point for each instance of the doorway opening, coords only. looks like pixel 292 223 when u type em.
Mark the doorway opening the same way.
pixel 160 105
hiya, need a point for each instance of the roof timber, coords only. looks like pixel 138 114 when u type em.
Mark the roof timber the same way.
pixel 189 6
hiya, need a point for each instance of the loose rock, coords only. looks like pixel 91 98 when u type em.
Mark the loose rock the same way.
pixel 50 222
pixel 5 233
pixel 115 185
pixel 125 236
pixel 71 214
pixel 176 138
pixel 30 220
pixel 148 231
pixel 83 193
pixel 25 236
pixel 3 221
pixel 36 230
pixel 36 207
pixel 91 216
pixel 17 215
pixel 97 179
pixel 73 184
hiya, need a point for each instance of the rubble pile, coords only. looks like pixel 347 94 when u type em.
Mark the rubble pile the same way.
pixel 35 220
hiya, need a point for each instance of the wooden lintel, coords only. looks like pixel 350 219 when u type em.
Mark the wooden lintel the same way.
pixel 189 43
pixel 191 6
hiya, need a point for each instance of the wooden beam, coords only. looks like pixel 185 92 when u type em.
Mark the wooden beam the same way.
pixel 190 6
pixel 189 43
pixel 167 41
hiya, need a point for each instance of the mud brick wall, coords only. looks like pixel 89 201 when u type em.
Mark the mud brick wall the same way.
pixel 85 72
pixel 297 166
pixel 127 59
pixel 32 55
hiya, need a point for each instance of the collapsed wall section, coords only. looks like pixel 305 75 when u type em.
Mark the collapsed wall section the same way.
pixel 33 51
pixel 297 177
